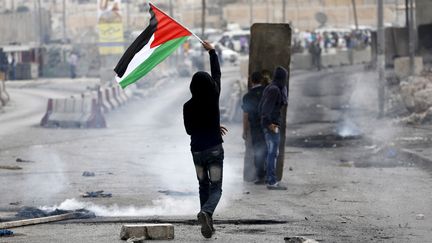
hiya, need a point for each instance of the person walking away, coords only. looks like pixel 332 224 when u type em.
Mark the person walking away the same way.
pixel 201 118
pixel 73 62
pixel 274 97
pixel 252 125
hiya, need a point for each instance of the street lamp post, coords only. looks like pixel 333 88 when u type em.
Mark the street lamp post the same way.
pixel 380 58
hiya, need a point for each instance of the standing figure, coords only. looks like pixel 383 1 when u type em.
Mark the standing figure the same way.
pixel 201 117
pixel 274 97
pixel 252 124
pixel 73 62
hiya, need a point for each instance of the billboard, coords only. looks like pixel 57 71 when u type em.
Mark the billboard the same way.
pixel 110 27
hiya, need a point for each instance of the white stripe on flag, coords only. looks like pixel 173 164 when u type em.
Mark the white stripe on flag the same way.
pixel 139 58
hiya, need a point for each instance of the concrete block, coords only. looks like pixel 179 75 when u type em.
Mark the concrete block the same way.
pixel 149 231
pixel 402 66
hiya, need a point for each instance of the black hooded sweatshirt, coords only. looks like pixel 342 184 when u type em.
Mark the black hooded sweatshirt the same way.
pixel 201 113
pixel 274 97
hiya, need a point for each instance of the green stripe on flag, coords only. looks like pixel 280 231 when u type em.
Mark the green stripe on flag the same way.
pixel 160 54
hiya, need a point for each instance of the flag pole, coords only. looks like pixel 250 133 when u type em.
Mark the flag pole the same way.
pixel 200 40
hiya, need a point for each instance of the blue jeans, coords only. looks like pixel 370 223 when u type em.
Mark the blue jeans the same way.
pixel 209 167
pixel 272 140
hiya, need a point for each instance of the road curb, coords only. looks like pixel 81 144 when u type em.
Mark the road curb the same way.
pixel 417 158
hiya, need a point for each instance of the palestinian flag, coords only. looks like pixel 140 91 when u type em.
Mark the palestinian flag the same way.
pixel 161 38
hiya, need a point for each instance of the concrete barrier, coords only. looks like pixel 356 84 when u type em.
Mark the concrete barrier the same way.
pixel 110 98
pixel 114 97
pixel 4 96
pixel 339 58
pixel 73 112
pixel 103 101
pixel 120 96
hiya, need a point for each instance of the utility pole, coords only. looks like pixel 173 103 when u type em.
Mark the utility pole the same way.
pixel 64 21
pixel 128 17
pixel 283 11
pixel 355 14
pixel 171 9
pixel 203 13
pixel 380 58
pixel 250 12
pixel 411 37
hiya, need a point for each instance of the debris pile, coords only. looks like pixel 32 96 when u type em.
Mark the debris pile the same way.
pixel 416 95
pixel 32 212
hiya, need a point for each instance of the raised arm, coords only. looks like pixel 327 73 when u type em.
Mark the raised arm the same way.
pixel 214 64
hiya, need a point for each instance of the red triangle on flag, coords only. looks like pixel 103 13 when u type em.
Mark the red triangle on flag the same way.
pixel 167 29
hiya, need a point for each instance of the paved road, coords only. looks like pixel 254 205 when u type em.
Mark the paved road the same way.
pixel 144 151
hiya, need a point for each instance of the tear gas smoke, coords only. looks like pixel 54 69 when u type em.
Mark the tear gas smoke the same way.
pixel 159 207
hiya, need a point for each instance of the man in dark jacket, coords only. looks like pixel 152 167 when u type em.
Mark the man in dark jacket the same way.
pixel 274 97
pixel 202 122
pixel 252 123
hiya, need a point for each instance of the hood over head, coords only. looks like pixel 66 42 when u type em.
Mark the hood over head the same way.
pixel 280 77
pixel 203 86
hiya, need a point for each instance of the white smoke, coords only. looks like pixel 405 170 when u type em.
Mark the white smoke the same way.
pixel 159 207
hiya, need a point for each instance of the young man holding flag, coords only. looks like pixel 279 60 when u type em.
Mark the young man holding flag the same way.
pixel 201 113
pixel 202 122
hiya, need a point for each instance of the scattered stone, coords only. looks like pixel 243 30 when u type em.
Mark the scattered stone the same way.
pixel 148 231
pixel 420 216
pixel 290 168
pixel 10 167
pixel 19 160
pixel 88 174
pixel 299 239
pixel 5 232
pixel 96 194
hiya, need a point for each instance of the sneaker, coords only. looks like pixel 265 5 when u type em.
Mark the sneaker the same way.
pixel 205 221
pixel 276 186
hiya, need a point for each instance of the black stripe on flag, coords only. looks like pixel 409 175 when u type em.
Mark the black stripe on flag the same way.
pixel 137 45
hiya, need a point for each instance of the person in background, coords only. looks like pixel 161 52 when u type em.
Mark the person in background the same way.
pixel 201 118
pixel 73 62
pixel 274 97
pixel 252 123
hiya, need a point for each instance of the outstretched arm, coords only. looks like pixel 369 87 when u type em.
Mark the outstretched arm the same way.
pixel 214 64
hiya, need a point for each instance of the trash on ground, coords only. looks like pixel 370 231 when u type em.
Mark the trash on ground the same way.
pixel 5 232
pixel 96 194
pixel 32 212
pixel 420 216
pixel 88 174
pixel 299 239
pixel 345 163
pixel 10 167
pixel 19 160
pixel 15 203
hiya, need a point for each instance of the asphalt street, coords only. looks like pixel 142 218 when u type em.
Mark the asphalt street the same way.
pixel 143 159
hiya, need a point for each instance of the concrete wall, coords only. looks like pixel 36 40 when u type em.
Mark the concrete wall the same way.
pixel 423 12
pixel 25 27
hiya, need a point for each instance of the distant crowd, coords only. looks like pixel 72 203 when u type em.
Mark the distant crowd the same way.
pixel 359 39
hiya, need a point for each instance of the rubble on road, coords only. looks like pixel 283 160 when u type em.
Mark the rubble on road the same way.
pixel 10 167
pixel 32 212
pixel 415 95
pixel 5 232
pixel 88 174
pixel 299 239
pixel 96 194
pixel 19 160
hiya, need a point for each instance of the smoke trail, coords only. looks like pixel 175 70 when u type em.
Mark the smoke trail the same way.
pixel 160 207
